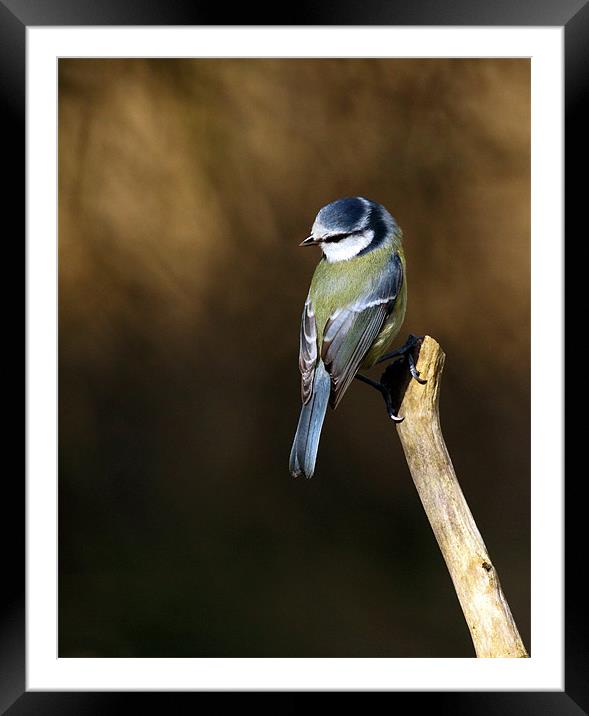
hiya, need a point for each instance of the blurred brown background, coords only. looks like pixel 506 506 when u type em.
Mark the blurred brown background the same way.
pixel 185 187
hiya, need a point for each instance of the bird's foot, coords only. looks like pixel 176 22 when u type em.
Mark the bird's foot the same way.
pixel 385 391
pixel 397 376
pixel 407 352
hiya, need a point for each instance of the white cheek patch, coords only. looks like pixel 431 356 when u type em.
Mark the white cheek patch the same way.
pixel 347 248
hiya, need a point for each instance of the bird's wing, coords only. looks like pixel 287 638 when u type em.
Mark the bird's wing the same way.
pixel 307 350
pixel 350 331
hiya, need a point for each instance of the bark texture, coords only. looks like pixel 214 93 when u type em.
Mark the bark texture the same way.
pixel 474 575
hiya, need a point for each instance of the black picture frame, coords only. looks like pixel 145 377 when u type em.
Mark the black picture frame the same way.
pixel 15 16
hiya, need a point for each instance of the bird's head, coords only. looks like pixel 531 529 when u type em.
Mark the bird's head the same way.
pixel 349 227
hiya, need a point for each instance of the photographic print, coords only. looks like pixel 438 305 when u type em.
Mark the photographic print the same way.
pixel 185 188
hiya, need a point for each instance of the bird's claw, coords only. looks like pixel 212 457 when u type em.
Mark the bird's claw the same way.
pixel 385 391
pixel 394 380
pixel 415 373
pixel 406 351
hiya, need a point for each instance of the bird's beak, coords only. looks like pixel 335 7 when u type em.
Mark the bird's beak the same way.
pixel 311 241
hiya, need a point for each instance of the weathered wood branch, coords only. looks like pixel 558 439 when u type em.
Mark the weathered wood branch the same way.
pixel 474 575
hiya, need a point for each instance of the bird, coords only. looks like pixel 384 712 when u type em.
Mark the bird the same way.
pixel 354 309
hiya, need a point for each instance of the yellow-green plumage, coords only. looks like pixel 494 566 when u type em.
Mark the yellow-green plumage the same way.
pixel 334 286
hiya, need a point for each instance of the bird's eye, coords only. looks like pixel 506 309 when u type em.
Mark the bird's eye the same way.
pixel 339 237
pixel 334 237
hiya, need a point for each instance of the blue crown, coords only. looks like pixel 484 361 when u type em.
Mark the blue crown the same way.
pixel 345 215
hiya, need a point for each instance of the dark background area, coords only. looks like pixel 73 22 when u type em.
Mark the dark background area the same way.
pixel 184 189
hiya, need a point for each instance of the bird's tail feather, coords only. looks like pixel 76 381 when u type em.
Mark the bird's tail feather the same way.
pixel 306 441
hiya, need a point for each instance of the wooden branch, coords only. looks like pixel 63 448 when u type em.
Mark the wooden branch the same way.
pixel 474 575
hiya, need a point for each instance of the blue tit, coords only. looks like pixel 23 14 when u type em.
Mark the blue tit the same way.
pixel 354 309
